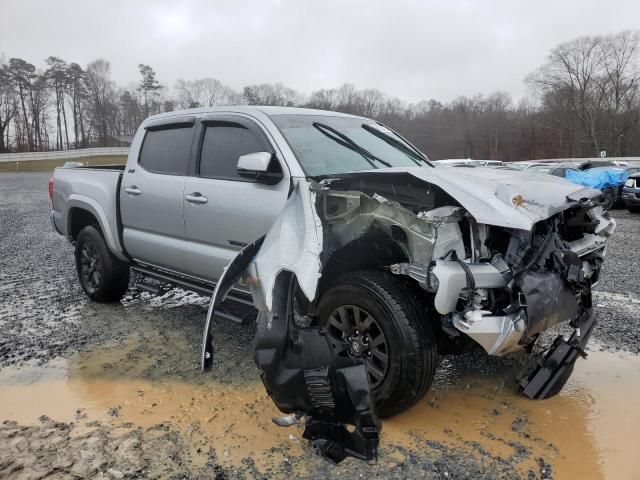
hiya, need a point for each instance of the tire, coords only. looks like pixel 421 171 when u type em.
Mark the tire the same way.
pixel 609 198
pixel 102 276
pixel 365 306
pixel 633 209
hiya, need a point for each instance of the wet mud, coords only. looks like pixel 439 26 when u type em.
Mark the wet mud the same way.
pixel 585 432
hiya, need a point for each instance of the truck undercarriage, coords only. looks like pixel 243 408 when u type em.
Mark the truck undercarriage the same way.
pixel 496 282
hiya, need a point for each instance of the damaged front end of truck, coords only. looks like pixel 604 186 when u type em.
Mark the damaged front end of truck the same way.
pixel 495 261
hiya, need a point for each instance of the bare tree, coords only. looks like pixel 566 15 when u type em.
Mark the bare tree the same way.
pixel 619 84
pixel 76 83
pixel 23 75
pixel 569 80
pixel 8 106
pixel 271 94
pixel 205 92
pixel 100 98
pixel 324 99
pixel 149 86
pixel 587 99
pixel 57 76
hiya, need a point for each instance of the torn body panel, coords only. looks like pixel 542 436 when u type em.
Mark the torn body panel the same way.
pixel 303 376
pixel 293 244
pixel 300 371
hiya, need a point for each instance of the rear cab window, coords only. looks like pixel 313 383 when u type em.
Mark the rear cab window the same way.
pixel 166 149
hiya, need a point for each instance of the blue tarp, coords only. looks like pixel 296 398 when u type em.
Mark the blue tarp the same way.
pixel 602 177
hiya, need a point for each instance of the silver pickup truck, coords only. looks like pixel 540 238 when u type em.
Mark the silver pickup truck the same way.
pixel 364 260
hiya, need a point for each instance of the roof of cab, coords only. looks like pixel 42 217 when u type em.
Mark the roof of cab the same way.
pixel 250 109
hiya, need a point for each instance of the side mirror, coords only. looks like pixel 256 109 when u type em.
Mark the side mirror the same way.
pixel 260 166
pixel 255 162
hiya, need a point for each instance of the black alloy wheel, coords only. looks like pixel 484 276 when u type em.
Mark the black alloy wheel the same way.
pixel 355 332
pixel 90 266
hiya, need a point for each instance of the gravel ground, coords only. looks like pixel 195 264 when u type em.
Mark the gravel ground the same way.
pixel 45 316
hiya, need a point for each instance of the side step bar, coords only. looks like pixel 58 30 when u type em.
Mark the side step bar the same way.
pixel 148 287
pixel 238 314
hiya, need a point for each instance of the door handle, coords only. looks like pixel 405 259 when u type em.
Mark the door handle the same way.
pixel 132 190
pixel 197 198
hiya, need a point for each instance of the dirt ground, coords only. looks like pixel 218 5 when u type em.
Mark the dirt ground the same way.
pixel 114 391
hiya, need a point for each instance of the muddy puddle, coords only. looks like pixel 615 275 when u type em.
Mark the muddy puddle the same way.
pixel 589 431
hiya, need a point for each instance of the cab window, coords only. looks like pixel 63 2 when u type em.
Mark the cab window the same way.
pixel 166 150
pixel 223 144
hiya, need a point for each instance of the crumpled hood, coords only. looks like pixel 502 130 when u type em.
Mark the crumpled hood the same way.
pixel 503 198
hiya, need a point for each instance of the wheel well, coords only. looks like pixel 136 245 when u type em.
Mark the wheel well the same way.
pixel 80 218
pixel 371 251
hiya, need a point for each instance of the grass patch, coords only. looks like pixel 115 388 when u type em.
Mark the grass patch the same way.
pixel 49 165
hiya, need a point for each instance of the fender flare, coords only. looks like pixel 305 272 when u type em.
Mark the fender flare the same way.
pixel 92 206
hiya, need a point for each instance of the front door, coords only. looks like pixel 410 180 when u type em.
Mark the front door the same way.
pixel 224 211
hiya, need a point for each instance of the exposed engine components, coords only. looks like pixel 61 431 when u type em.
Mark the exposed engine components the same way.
pixel 453 278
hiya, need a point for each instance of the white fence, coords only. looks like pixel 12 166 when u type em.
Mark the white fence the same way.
pixel 63 155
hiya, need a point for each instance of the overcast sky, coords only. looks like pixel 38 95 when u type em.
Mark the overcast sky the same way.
pixel 411 49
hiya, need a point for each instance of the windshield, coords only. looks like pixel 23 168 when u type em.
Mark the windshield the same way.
pixel 325 145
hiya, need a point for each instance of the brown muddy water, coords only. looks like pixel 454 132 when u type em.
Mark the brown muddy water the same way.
pixel 589 431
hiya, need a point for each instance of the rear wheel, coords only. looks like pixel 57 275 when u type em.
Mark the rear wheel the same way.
pixel 369 315
pixel 103 277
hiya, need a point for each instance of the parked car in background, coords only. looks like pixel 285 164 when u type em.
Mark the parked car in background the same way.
pixel 628 170
pixel 468 162
pixel 461 162
pixel 505 166
pixel 589 164
pixel 631 193
pixel 525 165
pixel 488 163
pixel 550 169
pixel 608 178
pixel 631 169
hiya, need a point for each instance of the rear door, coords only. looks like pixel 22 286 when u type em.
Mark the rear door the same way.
pixel 229 211
pixel 151 197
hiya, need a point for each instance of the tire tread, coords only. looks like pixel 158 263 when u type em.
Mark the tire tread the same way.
pixel 417 338
pixel 116 273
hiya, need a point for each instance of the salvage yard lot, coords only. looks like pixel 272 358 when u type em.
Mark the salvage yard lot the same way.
pixel 89 389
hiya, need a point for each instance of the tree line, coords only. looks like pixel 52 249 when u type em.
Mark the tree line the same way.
pixel 585 98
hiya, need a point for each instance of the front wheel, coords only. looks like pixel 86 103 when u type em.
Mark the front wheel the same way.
pixel 369 315
pixel 102 276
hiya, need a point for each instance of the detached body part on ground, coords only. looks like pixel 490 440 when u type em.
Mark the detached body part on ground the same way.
pixel 496 263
